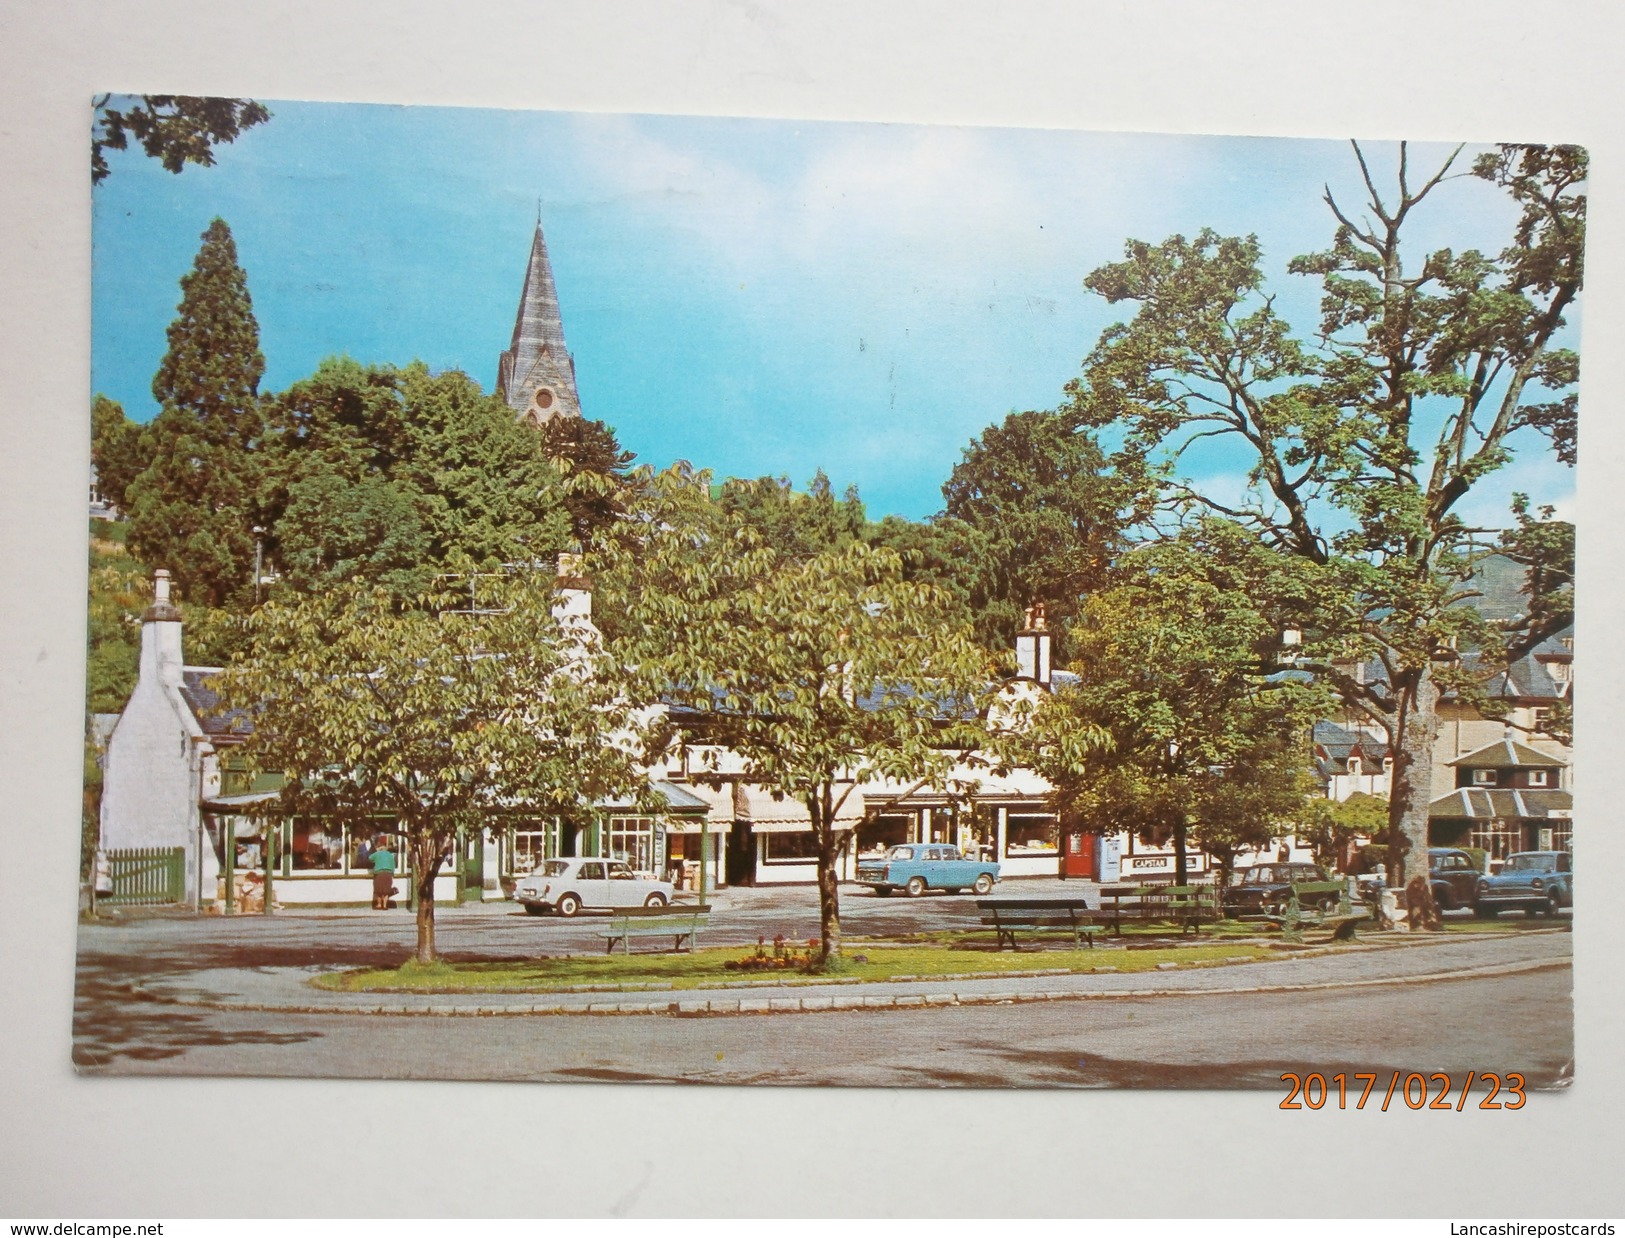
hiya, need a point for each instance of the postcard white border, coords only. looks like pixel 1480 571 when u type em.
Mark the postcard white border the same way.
pixel 1470 69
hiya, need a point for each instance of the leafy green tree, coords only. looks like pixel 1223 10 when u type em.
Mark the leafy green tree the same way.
pixel 192 509
pixel 1424 378
pixel 335 530
pixel 1049 515
pixel 819 671
pixel 388 473
pixel 174 129
pixel 1334 826
pixel 435 714
pixel 949 555
pixel 1204 740
pixel 795 524
pixel 116 449
pixel 119 592
pixel 590 456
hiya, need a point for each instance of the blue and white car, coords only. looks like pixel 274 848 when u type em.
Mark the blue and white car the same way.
pixel 915 868
pixel 1530 881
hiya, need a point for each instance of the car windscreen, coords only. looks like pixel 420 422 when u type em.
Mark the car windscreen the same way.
pixel 554 868
pixel 900 853
pixel 1530 863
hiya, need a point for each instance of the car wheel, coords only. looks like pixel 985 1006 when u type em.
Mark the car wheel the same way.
pixel 655 900
pixel 915 887
pixel 533 909
pixel 1482 909
pixel 568 904
pixel 984 884
pixel 1443 899
pixel 1549 908
pixel 1329 904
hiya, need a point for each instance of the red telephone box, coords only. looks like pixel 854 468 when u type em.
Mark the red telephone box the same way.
pixel 1078 853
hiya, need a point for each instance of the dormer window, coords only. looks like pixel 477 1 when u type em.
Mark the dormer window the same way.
pixel 1483 777
pixel 1559 671
pixel 1388 765
pixel 1538 777
pixel 1354 767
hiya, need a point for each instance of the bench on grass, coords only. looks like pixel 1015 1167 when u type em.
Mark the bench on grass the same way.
pixel 1190 907
pixel 1009 916
pixel 1319 904
pixel 679 923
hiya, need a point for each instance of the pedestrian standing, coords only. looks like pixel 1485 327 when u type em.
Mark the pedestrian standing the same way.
pixel 383 873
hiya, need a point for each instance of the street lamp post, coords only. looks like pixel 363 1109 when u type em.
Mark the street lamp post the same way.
pixel 259 547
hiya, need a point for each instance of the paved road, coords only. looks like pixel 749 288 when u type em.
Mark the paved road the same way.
pixel 1519 1021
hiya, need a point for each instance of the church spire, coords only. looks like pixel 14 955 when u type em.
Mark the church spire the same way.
pixel 536 375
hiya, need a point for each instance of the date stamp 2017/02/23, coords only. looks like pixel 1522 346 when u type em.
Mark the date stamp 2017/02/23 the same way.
pixel 1349 1090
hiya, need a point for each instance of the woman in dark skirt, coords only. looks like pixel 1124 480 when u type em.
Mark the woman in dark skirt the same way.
pixel 383 873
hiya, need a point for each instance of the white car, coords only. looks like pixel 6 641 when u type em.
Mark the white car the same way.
pixel 566 886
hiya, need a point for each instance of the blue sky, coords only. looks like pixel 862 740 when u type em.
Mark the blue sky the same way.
pixel 758 297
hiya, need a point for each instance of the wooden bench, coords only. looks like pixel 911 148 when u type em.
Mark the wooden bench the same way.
pixel 679 923
pixel 1009 916
pixel 1190 907
pixel 1301 911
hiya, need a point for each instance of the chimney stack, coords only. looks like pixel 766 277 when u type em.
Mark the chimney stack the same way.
pixel 575 590
pixel 1033 646
pixel 161 635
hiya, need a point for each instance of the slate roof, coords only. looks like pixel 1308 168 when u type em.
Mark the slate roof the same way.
pixel 229 724
pixel 1334 745
pixel 1508 754
pixel 1512 804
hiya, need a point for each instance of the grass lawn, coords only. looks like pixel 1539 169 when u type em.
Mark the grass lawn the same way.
pixel 705 967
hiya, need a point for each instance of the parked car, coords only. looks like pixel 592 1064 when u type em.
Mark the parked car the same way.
pixel 1453 876
pixel 915 868
pixel 1267 888
pixel 567 886
pixel 1530 881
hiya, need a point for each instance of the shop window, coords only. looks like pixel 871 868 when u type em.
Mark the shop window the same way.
pixel 533 843
pixel 800 847
pixel 1499 838
pixel 316 846
pixel 632 840
pixel 1029 834
pixel 887 830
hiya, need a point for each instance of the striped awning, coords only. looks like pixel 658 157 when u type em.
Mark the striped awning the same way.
pixel 719 810
pixel 982 787
pixel 1503 803
pixel 254 802
pixel 788 816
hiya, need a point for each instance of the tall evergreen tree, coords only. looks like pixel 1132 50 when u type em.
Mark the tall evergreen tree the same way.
pixel 193 508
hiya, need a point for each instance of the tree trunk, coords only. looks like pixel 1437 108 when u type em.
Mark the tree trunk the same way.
pixel 822 809
pixel 1181 866
pixel 1412 792
pixel 427 855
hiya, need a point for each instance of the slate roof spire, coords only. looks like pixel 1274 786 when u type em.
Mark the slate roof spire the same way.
pixel 537 375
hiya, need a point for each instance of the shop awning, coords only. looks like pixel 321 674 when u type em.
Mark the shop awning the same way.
pixel 718 808
pixel 789 816
pixel 1506 804
pixel 252 803
pixel 982 787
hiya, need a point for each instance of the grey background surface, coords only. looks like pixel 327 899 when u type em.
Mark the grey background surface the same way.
pixel 1483 70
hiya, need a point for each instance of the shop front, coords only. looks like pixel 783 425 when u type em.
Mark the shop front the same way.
pixel 783 845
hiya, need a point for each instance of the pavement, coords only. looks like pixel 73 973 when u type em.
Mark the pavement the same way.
pixel 1392 961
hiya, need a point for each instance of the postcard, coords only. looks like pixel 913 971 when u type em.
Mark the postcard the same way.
pixel 582 597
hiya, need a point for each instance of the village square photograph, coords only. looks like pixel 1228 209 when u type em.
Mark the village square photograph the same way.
pixel 586 597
